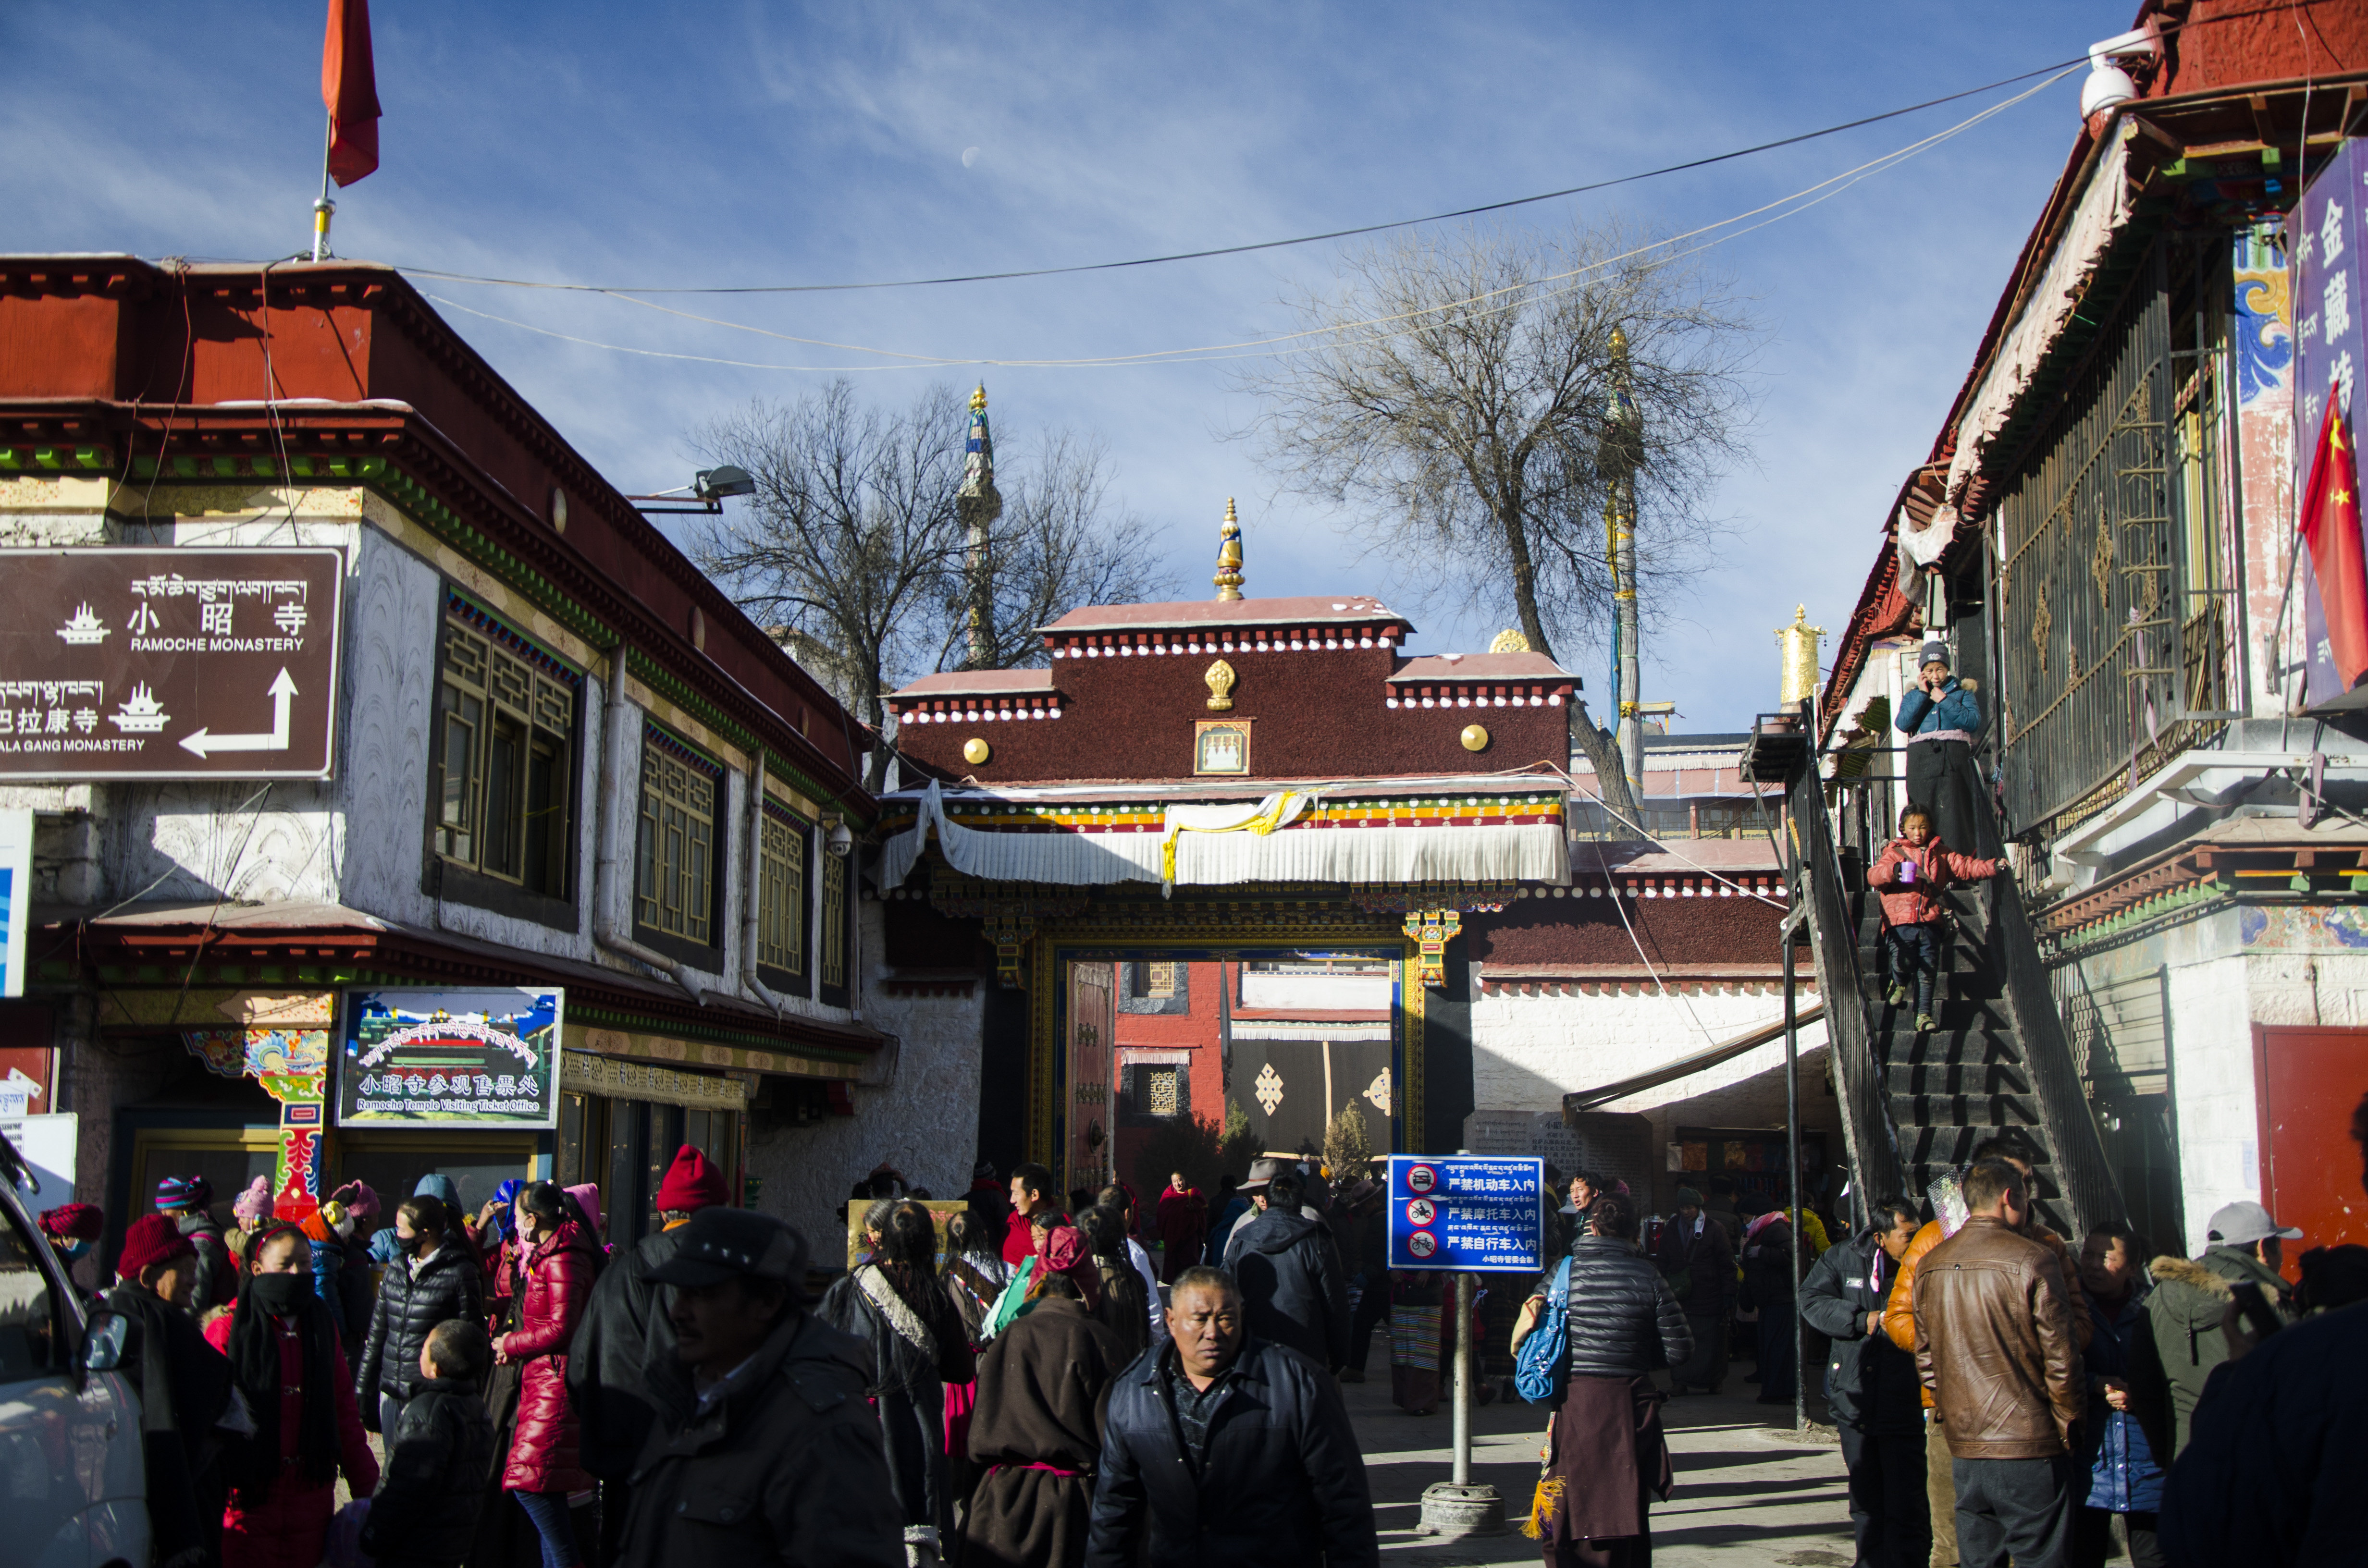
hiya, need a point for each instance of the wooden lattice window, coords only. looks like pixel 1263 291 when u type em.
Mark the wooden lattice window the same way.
pixel 781 894
pixel 505 734
pixel 834 922
pixel 674 875
pixel 1160 1096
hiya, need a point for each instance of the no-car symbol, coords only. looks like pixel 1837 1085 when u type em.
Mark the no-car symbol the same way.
pixel 1421 1178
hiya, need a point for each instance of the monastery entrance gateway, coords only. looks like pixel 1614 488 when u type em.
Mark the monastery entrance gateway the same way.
pixel 1154 1036
pixel 1265 792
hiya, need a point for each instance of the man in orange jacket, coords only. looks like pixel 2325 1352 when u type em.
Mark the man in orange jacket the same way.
pixel 1899 1323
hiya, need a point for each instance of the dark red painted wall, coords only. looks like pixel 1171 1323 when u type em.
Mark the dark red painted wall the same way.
pixel 1581 930
pixel 2228 43
pixel 1315 712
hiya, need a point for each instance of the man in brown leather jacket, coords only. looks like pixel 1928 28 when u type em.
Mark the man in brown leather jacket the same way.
pixel 1994 1343
pixel 1899 1322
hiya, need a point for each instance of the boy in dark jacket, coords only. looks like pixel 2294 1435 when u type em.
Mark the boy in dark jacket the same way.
pixel 1914 870
pixel 439 1456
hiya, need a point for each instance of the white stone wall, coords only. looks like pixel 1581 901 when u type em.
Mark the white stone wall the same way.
pixel 1530 1050
pixel 924 1121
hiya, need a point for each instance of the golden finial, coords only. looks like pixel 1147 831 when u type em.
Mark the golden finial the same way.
pixel 978 398
pixel 1510 641
pixel 1229 556
pixel 1220 679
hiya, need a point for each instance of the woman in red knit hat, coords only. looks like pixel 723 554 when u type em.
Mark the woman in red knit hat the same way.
pixel 182 1384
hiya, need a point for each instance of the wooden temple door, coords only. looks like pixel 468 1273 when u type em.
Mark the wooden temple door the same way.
pixel 1091 1046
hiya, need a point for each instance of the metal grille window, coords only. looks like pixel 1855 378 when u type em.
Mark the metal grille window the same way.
pixel 834 922
pixel 2111 638
pixel 674 874
pixel 504 734
pixel 781 894
pixel 1159 1095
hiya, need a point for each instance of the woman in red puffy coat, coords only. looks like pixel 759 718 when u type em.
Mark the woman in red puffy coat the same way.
pixel 559 1259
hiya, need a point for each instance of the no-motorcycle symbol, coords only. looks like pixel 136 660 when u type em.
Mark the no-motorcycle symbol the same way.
pixel 1421 1212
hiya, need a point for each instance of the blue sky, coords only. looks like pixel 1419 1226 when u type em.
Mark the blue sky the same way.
pixel 651 145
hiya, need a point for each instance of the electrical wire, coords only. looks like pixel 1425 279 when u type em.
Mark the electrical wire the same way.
pixel 1268 244
pixel 1510 297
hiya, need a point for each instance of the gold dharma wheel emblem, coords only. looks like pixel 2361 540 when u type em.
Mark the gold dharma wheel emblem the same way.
pixel 1474 738
pixel 1220 679
pixel 975 751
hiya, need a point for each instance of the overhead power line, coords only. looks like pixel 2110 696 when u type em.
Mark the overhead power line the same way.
pixel 1511 297
pixel 1260 244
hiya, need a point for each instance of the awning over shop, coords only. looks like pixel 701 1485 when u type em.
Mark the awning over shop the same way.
pixel 1497 829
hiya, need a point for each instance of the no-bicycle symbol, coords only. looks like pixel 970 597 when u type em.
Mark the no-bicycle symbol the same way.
pixel 1421 1244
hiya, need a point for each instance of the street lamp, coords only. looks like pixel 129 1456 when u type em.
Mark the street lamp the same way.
pixel 708 488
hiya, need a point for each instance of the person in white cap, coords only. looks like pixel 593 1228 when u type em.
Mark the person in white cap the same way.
pixel 2183 1339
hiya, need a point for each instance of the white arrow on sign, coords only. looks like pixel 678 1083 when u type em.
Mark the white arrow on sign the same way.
pixel 282 689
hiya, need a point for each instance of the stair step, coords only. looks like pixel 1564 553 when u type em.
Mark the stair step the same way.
pixel 1991 1076
pixel 1952 1146
pixel 1942 1113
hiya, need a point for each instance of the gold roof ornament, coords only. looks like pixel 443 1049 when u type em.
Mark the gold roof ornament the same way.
pixel 1510 641
pixel 1796 658
pixel 1229 557
pixel 1220 679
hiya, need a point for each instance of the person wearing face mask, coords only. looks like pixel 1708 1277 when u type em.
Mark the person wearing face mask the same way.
pixel 556 1283
pixel 287 1365
pixel 436 1281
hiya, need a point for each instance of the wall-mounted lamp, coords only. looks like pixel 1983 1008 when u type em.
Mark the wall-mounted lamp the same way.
pixel 708 489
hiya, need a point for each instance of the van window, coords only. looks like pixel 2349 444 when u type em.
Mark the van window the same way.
pixel 28 1337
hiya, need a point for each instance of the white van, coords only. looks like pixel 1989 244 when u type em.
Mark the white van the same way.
pixel 72 1486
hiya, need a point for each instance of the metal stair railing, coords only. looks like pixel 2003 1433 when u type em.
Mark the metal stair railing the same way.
pixel 1867 1132
pixel 2080 1167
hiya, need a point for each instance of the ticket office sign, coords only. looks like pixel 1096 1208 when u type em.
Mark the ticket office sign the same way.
pixel 1467 1213
pixel 140 663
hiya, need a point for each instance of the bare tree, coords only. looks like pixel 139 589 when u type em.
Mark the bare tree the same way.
pixel 1457 395
pixel 854 544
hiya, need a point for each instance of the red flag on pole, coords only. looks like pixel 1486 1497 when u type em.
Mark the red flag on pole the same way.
pixel 2331 525
pixel 350 88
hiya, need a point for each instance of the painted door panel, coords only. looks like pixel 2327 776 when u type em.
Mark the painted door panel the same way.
pixel 2308 1081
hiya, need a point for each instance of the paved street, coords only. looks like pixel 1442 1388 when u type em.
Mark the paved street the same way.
pixel 1749 1490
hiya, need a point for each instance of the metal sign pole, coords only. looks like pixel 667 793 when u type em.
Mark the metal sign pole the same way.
pixel 1793 1154
pixel 1463 1472
pixel 1429 1202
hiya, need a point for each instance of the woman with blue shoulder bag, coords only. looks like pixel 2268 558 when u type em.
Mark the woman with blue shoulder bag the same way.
pixel 1586 1344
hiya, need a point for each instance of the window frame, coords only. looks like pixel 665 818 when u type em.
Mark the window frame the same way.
pixel 834 925
pixel 800 900
pixel 707 952
pixel 464 881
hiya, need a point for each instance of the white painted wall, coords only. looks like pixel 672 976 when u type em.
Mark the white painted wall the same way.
pixel 1311 992
pixel 924 1122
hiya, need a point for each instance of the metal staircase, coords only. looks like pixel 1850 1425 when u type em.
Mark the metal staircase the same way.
pixel 1914 1105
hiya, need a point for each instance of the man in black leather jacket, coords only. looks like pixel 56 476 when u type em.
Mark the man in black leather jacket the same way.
pixel 1220 1448
pixel 436 1279
pixel 1870 1387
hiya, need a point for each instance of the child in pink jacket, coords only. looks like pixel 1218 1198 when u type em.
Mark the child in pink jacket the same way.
pixel 1912 871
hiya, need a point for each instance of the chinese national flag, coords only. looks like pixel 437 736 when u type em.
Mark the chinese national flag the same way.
pixel 2331 525
pixel 350 88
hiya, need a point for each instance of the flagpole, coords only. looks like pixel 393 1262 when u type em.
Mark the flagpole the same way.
pixel 324 206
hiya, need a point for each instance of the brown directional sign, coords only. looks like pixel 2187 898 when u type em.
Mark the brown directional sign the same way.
pixel 168 664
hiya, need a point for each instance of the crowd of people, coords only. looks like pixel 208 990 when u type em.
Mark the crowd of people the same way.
pixel 1017 1382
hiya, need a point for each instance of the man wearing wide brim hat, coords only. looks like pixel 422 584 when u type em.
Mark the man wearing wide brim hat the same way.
pixel 764 1445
